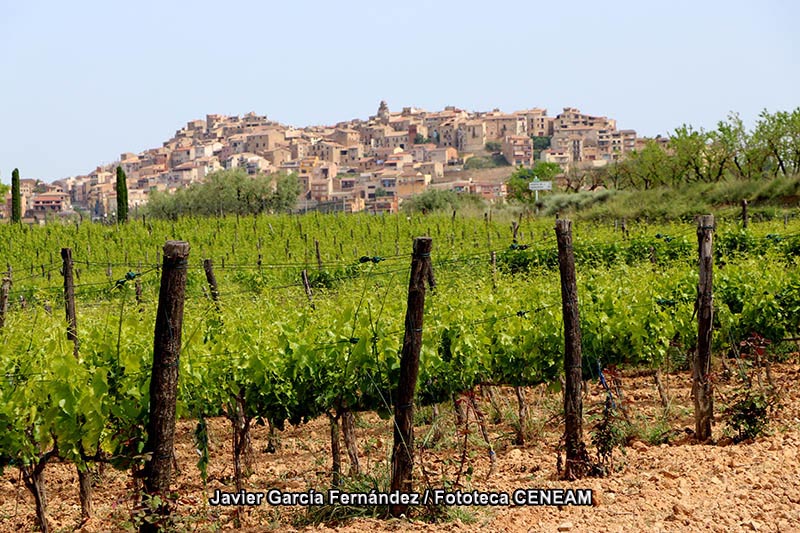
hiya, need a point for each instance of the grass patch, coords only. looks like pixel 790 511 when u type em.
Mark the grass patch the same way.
pixel 332 514
pixel 768 199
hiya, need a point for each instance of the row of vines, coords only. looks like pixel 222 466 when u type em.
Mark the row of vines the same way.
pixel 271 350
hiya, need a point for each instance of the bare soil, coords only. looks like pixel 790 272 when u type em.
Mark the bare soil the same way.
pixel 672 486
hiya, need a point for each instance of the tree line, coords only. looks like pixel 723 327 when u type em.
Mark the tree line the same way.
pixel 770 149
pixel 730 151
pixel 228 192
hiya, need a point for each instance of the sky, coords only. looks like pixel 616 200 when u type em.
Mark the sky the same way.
pixel 83 81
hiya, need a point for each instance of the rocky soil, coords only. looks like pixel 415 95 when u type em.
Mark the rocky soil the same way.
pixel 675 485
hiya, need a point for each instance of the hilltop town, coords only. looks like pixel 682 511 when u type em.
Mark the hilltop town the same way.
pixel 352 166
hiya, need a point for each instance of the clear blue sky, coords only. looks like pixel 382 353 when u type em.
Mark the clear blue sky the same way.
pixel 83 81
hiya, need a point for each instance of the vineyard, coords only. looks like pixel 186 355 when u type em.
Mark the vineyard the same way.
pixel 298 321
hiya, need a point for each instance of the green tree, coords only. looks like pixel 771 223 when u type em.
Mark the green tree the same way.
pixel 777 137
pixel 436 200
pixel 16 199
pixel 687 145
pixel 517 183
pixel 539 144
pixel 287 189
pixel 479 163
pixel 122 196
pixel 699 154
pixel 616 173
pixel 792 138
pixel 494 146
pixel 228 191
pixel 745 158
pixel 649 167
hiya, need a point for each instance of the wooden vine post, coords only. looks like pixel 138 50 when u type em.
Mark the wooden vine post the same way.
pixel 494 270
pixel 69 299
pixel 307 287
pixel 137 285
pixel 208 267
pixel 745 219
pixel 702 389
pixel 403 448
pixel 164 379
pixel 84 475
pixel 5 288
pixel 573 405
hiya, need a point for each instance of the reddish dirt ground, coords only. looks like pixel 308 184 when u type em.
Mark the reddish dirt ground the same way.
pixel 679 486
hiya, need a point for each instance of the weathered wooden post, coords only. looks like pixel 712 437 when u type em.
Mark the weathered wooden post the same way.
pixel 84 476
pixel 307 287
pixel 494 270
pixel 5 288
pixel 69 299
pixel 573 404
pixel 164 379
pixel 403 449
pixel 137 285
pixel 702 388
pixel 208 267
pixel 744 214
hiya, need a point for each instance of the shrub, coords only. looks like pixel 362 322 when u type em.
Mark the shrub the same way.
pixel 748 416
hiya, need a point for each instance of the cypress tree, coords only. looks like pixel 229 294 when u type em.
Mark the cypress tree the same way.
pixel 122 196
pixel 16 200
